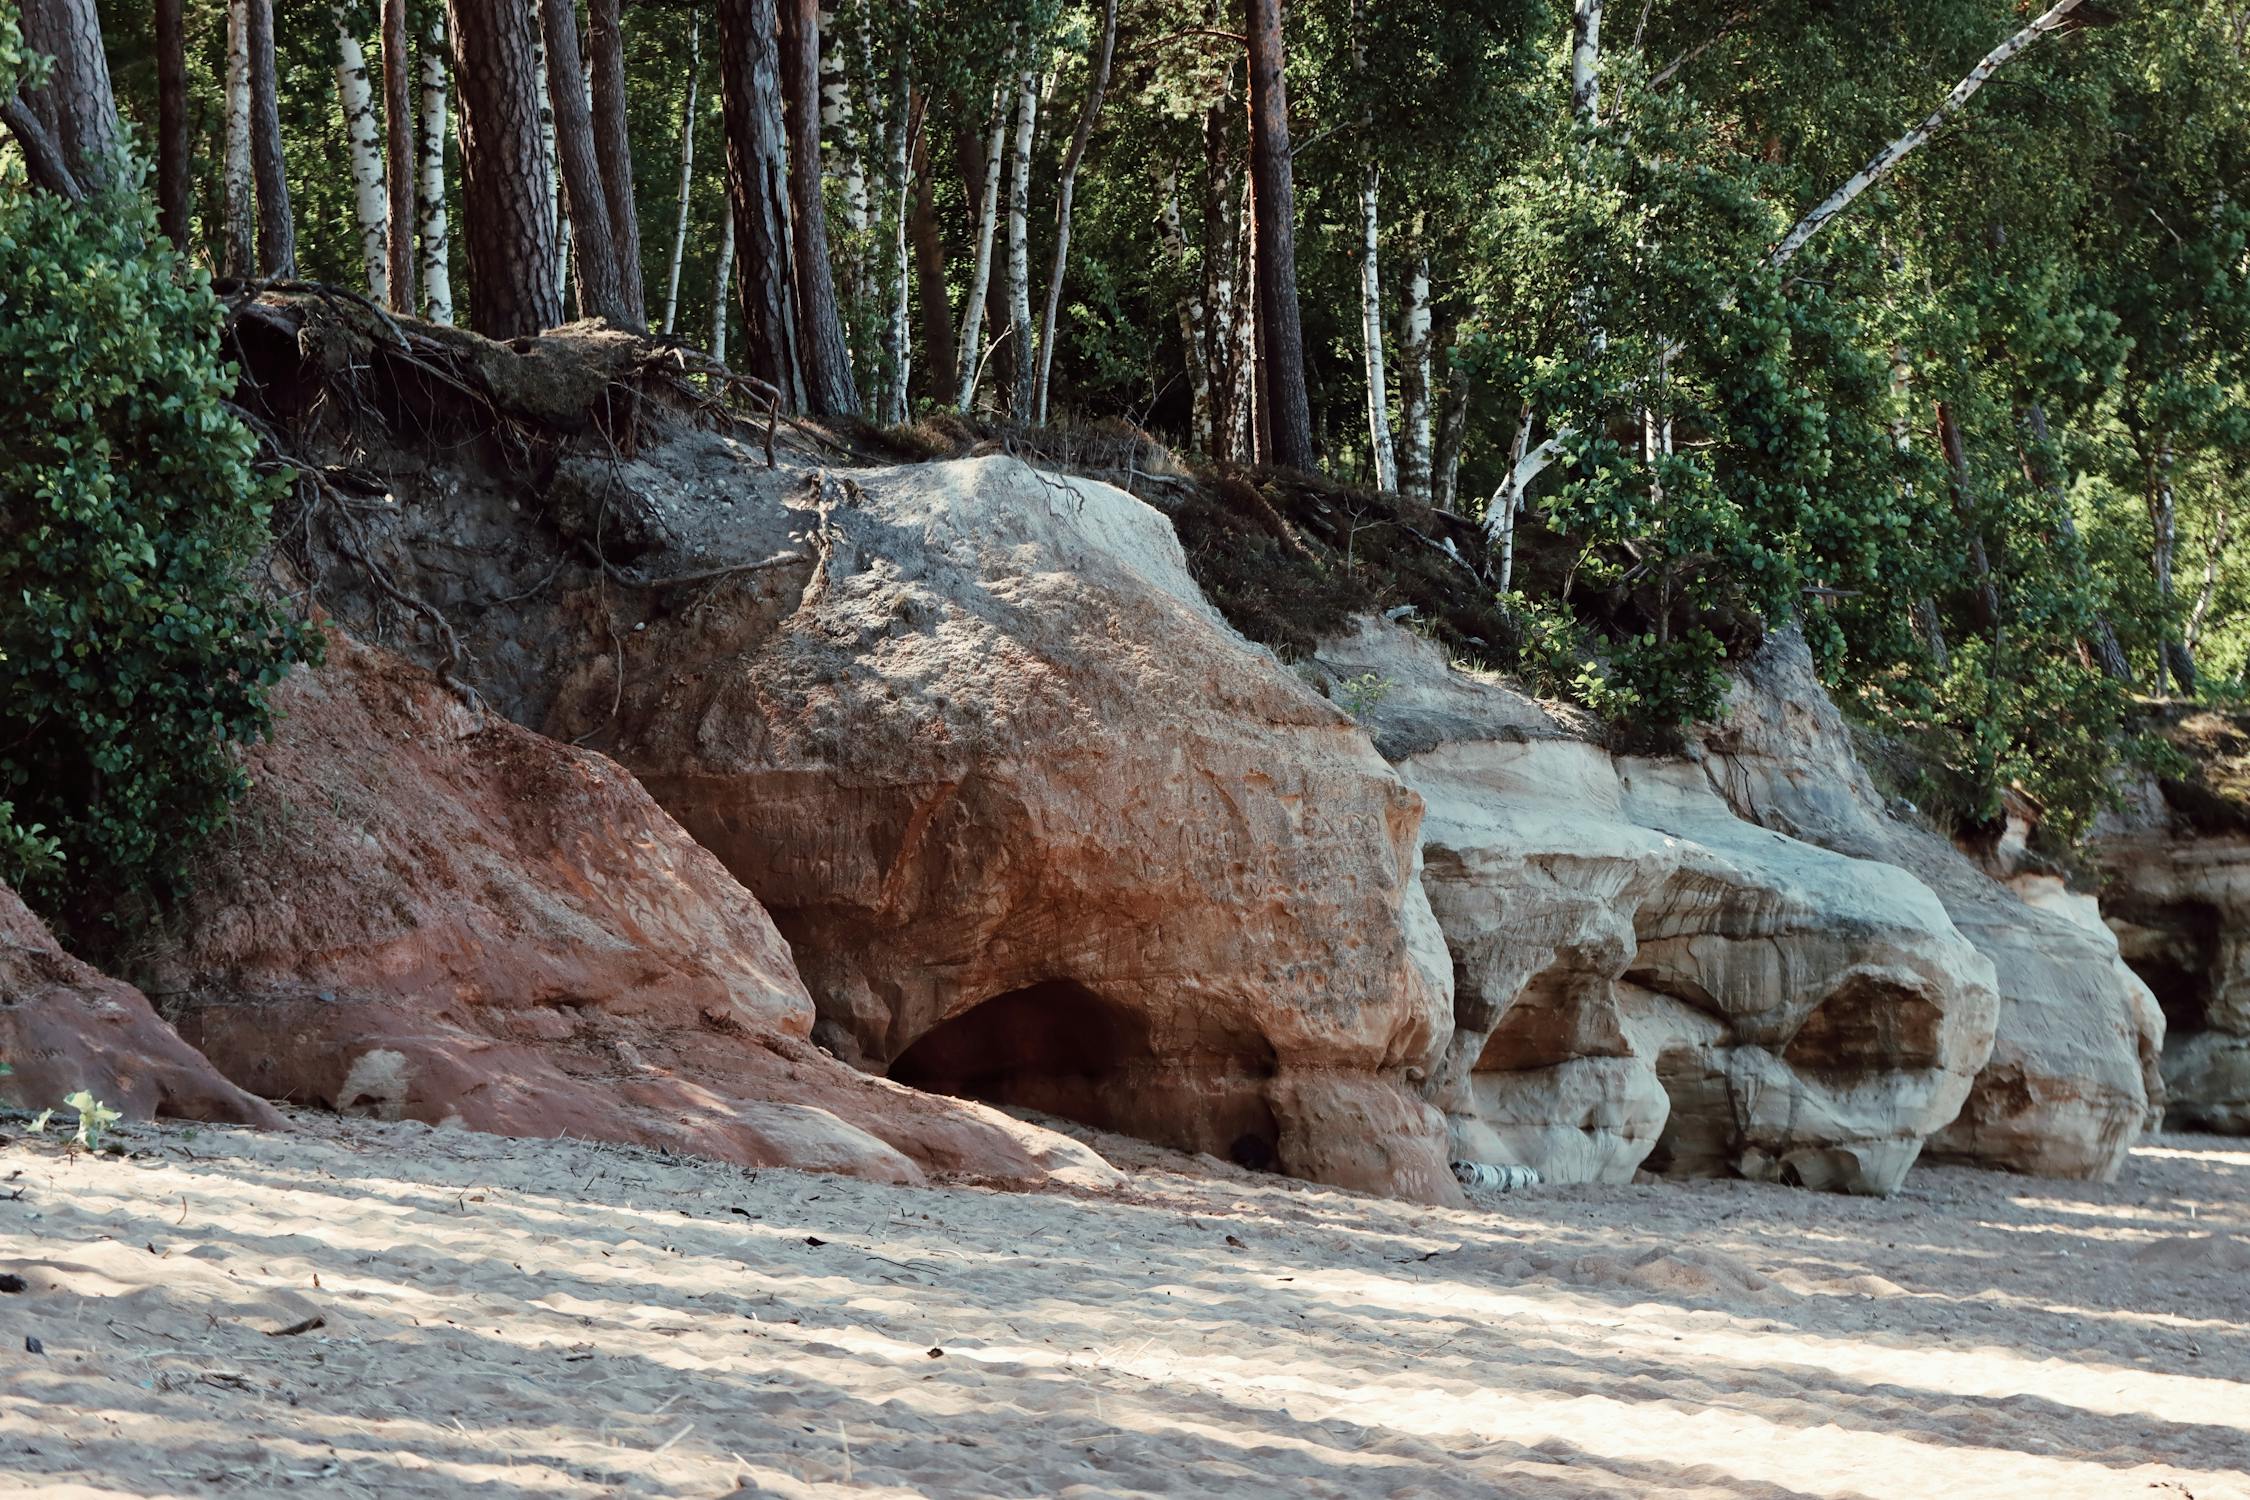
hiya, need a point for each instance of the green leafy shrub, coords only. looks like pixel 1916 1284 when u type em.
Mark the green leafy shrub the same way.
pixel 135 651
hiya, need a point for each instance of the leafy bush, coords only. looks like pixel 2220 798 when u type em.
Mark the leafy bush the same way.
pixel 135 652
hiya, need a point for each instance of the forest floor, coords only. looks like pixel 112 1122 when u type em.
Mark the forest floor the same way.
pixel 552 1318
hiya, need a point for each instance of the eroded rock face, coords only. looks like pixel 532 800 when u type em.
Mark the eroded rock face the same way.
pixel 429 913
pixel 64 1027
pixel 1042 829
pixel 1640 973
pixel 2066 1090
pixel 2178 898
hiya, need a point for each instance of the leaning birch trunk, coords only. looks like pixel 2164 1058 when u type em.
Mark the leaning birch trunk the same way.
pixel 719 286
pixel 1095 88
pixel 980 279
pixel 1881 164
pixel 241 258
pixel 1415 380
pixel 437 249
pixel 1371 329
pixel 1191 311
pixel 1019 242
pixel 687 174
pixel 370 197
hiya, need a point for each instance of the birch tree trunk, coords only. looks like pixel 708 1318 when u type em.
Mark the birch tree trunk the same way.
pixel 1964 507
pixel 687 175
pixel 1371 329
pixel 174 153
pixel 277 229
pixel 1105 51
pixel 613 150
pixel 241 257
pixel 398 122
pixel 898 352
pixel 2214 547
pixel 371 204
pixel 1019 242
pixel 839 122
pixel 720 276
pixel 971 337
pixel 1452 429
pixel 559 224
pixel 2163 517
pixel 1586 61
pixel 1881 164
pixel 437 249
pixel 1415 381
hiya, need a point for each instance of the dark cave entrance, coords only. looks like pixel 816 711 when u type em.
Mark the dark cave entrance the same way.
pixel 1063 1049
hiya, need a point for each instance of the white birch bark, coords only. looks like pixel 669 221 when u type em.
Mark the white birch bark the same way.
pixel 1880 165
pixel 437 251
pixel 898 349
pixel 1371 329
pixel 550 163
pixel 1586 61
pixel 1415 381
pixel 1097 85
pixel 1192 313
pixel 980 279
pixel 721 279
pixel 1241 289
pixel 687 174
pixel 1019 240
pixel 241 201
pixel 840 123
pixel 371 204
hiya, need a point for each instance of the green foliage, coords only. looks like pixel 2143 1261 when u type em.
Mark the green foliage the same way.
pixel 136 654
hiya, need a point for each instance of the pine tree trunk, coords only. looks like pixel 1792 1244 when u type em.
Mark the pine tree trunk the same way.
pixel 687 174
pixel 939 357
pixel 971 341
pixel 758 193
pixel 613 144
pixel 1098 85
pixel 1019 242
pixel 1414 384
pixel 1287 409
pixel 76 107
pixel 371 203
pixel 241 258
pixel 601 288
pixel 505 206
pixel 437 249
pixel 398 122
pixel 821 351
pixel 174 152
pixel 277 229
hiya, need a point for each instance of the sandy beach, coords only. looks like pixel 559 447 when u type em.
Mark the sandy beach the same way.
pixel 527 1318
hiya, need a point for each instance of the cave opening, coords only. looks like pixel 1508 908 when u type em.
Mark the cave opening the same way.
pixel 1062 1049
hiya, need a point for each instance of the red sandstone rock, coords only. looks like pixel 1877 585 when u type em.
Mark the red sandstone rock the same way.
pixel 430 913
pixel 63 1028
